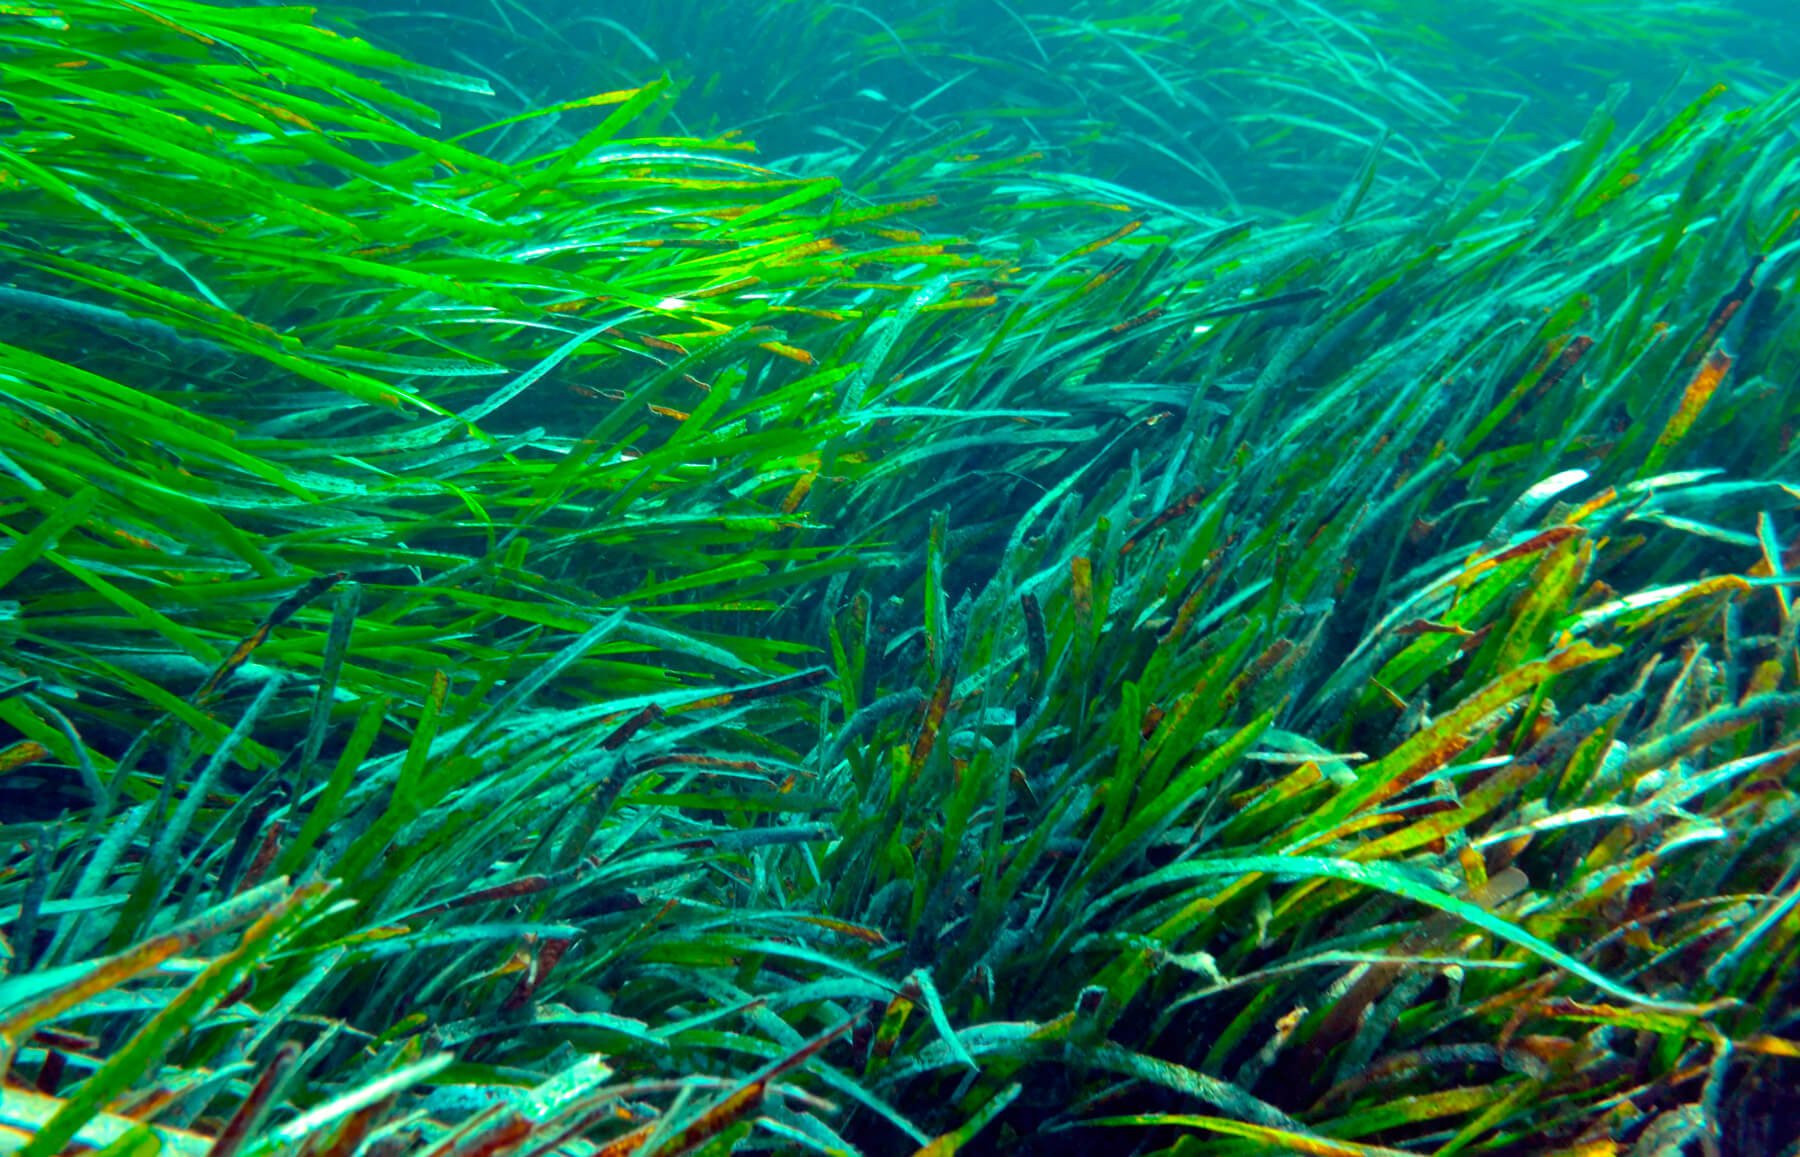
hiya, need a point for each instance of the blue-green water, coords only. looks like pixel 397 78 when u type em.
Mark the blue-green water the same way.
pixel 1226 107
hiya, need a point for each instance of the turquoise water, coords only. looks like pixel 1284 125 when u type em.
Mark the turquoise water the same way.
pixel 1178 104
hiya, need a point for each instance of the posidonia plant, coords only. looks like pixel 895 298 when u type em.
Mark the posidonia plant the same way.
pixel 565 636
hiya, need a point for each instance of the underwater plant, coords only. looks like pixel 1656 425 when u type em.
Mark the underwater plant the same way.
pixel 564 635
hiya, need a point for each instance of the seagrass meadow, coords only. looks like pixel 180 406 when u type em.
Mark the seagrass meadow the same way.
pixel 1184 578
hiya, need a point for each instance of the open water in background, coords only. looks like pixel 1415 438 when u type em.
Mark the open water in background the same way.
pixel 794 109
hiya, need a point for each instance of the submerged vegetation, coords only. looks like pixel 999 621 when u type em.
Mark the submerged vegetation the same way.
pixel 568 634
